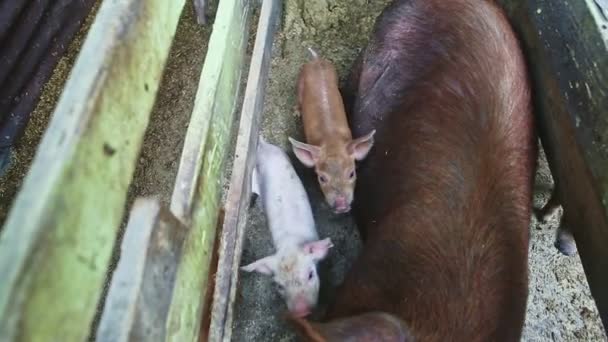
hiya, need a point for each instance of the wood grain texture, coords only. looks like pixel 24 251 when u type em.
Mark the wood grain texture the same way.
pixel 142 285
pixel 239 194
pixel 198 186
pixel 58 238
pixel 566 46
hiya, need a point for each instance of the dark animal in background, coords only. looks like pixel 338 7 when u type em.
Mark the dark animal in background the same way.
pixel 330 148
pixel 444 199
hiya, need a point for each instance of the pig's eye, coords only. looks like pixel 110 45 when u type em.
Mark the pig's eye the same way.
pixel 310 275
pixel 322 179
pixel 351 175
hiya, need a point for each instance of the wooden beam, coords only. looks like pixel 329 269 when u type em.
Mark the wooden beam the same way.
pixel 140 294
pixel 58 238
pixel 239 193
pixel 196 196
pixel 566 45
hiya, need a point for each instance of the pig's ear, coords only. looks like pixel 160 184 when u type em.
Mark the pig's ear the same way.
pixel 307 154
pixel 265 265
pixel 359 148
pixel 318 249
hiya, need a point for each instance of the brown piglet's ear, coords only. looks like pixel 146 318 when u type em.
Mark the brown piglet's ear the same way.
pixel 360 147
pixel 307 154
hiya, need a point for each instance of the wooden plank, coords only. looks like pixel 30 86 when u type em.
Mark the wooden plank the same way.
pixel 566 45
pixel 196 196
pixel 140 294
pixel 206 320
pixel 59 236
pixel 239 193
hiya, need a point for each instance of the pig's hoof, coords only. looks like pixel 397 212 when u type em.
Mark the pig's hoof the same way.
pixel 540 216
pixel 252 200
pixel 566 246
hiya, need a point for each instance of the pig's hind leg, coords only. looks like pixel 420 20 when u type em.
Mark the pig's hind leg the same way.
pixel 201 7
pixel 542 214
pixel 564 240
pixel 255 187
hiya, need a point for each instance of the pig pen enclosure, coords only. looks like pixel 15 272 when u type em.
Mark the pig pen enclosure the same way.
pixel 149 110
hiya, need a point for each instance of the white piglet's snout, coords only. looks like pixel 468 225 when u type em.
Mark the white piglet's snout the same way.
pixel 293 267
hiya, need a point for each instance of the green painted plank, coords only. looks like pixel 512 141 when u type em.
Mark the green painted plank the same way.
pixel 239 194
pixel 196 196
pixel 58 239
pixel 566 43
pixel 140 294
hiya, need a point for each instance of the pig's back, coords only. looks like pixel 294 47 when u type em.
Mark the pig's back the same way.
pixel 284 198
pixel 321 103
pixel 444 197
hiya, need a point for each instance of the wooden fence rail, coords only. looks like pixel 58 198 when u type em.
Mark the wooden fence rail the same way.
pixel 173 279
pixel 138 302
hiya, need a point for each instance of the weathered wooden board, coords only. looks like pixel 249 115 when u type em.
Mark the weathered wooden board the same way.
pixel 566 45
pixel 240 190
pixel 206 320
pixel 196 196
pixel 140 294
pixel 59 236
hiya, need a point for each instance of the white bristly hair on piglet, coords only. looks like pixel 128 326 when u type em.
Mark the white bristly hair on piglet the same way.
pixel 292 226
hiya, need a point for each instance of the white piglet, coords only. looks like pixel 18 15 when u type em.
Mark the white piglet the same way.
pixel 298 248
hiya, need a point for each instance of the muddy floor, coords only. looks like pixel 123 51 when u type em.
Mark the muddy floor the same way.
pixel 560 307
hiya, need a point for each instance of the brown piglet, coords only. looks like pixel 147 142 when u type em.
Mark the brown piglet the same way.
pixel 330 148
pixel 444 199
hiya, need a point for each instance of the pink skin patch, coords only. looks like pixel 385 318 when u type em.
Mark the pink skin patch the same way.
pixel 341 205
pixel 300 308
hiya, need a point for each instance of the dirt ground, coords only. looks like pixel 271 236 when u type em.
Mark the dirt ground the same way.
pixel 560 307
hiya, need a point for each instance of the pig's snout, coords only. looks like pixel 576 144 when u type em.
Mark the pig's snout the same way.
pixel 300 308
pixel 341 204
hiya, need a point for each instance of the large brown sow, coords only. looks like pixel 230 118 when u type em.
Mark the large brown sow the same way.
pixel 444 198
